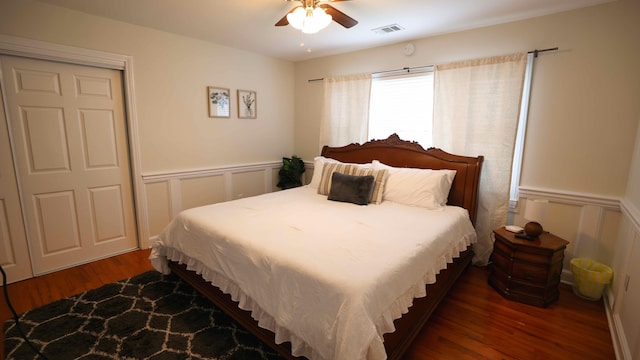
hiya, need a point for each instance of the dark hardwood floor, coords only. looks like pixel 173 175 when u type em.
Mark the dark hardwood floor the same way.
pixel 474 321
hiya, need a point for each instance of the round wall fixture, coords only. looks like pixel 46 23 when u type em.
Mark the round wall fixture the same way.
pixel 409 49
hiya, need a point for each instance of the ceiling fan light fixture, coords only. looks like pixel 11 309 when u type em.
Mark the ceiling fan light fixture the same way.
pixel 296 18
pixel 309 20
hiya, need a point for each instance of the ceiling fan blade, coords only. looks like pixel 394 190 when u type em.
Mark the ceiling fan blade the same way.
pixel 284 21
pixel 338 16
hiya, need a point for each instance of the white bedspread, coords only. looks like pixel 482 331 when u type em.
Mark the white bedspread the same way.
pixel 330 277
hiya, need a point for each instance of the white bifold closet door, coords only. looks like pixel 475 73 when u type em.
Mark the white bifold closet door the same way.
pixel 68 129
pixel 14 252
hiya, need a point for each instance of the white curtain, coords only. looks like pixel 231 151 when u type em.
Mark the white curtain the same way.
pixel 476 109
pixel 345 115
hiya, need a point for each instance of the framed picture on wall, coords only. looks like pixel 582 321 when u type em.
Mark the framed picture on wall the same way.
pixel 218 99
pixel 247 104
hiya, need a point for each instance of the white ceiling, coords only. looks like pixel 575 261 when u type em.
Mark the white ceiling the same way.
pixel 249 24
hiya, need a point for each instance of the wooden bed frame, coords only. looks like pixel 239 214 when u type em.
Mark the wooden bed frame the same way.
pixel 394 152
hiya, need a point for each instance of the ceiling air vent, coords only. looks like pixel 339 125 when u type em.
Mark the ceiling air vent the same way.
pixel 388 29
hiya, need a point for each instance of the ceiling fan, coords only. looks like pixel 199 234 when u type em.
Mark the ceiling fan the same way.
pixel 313 15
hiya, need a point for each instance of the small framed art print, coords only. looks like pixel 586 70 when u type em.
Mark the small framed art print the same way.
pixel 218 99
pixel 247 104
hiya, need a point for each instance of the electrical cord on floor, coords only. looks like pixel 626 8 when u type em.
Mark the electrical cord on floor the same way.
pixel 16 318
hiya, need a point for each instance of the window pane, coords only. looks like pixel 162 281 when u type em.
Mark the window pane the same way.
pixel 402 105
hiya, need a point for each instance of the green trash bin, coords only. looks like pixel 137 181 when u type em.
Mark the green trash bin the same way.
pixel 590 277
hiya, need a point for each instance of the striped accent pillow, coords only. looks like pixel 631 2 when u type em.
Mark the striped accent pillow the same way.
pixel 327 171
pixel 380 177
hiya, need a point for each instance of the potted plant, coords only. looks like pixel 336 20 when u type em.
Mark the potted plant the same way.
pixel 290 173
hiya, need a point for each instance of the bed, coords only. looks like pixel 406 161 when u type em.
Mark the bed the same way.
pixel 334 293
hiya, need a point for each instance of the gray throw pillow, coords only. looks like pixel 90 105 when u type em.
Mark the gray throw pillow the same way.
pixel 351 188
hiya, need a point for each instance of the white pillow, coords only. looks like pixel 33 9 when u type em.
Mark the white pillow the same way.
pixel 318 163
pixel 419 187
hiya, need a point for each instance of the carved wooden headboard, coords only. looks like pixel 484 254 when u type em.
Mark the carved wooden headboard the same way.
pixel 396 152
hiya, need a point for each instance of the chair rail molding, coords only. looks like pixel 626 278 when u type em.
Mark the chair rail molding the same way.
pixel 570 197
pixel 204 172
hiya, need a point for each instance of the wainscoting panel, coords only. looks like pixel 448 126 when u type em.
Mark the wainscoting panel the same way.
pixel 202 191
pixel 158 207
pixel 610 233
pixel 171 192
pixel 250 183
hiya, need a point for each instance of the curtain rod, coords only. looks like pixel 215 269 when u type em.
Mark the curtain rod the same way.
pixel 406 69
pixel 535 53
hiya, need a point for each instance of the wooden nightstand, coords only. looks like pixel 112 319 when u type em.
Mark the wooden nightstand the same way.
pixel 527 270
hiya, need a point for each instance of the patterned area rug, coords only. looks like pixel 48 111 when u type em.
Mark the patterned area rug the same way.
pixel 149 316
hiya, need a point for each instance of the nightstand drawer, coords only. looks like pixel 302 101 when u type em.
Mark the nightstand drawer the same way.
pixel 532 290
pixel 525 253
pixel 532 257
pixel 500 246
pixel 500 260
pixel 532 273
pixel 538 256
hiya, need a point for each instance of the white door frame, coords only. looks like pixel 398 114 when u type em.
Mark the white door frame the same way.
pixel 11 45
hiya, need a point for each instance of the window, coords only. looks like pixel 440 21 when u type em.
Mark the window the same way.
pixel 402 104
